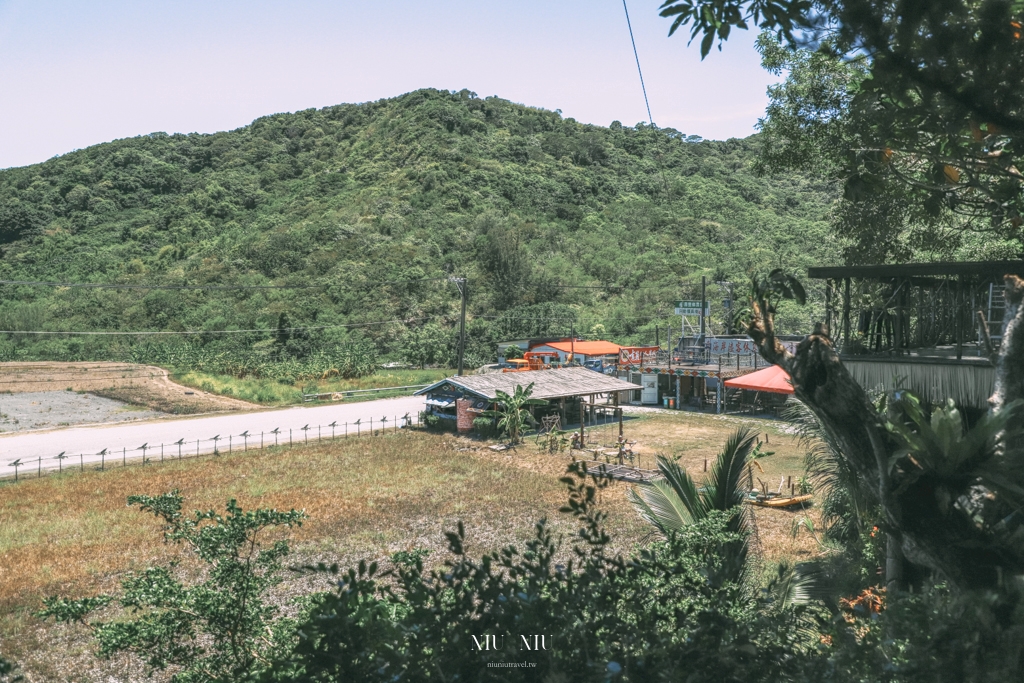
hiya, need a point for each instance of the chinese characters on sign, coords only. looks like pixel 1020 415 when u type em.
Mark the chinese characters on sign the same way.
pixel 739 346
pixel 692 307
pixel 638 355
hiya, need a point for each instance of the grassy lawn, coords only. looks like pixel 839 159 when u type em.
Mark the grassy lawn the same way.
pixel 72 534
pixel 275 393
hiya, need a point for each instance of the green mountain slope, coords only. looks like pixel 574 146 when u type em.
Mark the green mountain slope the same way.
pixel 429 184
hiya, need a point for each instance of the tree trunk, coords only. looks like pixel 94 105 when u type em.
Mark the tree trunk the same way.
pixel 920 528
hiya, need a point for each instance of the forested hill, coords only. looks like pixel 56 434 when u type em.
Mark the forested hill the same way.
pixel 429 184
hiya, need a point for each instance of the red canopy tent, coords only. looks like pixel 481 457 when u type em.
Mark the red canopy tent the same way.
pixel 772 379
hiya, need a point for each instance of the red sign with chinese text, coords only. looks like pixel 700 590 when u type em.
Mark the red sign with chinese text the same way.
pixel 638 355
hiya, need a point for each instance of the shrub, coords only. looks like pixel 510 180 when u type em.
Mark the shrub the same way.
pixel 667 612
pixel 485 427
pixel 221 629
pixel 433 422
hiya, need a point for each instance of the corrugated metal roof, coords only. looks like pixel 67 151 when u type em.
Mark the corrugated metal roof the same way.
pixel 547 384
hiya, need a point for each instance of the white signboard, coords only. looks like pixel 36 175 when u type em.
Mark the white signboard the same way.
pixel 692 307
pixel 739 346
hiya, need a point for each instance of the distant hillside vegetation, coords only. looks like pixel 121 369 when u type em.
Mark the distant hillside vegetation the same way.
pixel 428 184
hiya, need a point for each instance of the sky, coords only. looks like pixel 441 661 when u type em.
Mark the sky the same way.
pixel 75 73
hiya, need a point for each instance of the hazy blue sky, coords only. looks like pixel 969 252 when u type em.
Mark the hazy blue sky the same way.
pixel 77 72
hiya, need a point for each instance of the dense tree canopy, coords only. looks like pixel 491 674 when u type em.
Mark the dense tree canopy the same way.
pixel 917 104
pixel 431 184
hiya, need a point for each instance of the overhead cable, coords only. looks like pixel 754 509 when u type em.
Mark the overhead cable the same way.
pixel 191 332
pixel 637 56
pixel 105 285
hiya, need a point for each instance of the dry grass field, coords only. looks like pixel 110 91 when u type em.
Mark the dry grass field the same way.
pixel 73 534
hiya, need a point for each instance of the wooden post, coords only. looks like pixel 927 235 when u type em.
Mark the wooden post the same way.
pixel 619 414
pixel 828 305
pixel 583 421
pixel 718 394
pixel 959 318
pixel 846 311
pixel 897 341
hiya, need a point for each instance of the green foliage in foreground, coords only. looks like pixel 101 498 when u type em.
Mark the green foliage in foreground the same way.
pixel 426 185
pixel 668 611
pixel 221 629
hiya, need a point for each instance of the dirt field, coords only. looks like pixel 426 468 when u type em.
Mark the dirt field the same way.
pixel 50 409
pixel 72 534
pixel 140 385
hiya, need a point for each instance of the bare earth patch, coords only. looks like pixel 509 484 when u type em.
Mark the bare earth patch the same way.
pixel 141 385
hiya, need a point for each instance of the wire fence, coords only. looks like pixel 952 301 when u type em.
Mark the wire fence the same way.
pixel 146 454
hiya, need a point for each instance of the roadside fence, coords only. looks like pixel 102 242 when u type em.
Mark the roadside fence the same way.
pixel 218 444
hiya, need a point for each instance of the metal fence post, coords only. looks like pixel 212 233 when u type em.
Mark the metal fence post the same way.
pixel 40 473
pixel 81 462
pixel 261 441
pixel 318 433
pixel 124 456
pixel 229 444
pixel 289 436
pixel 161 452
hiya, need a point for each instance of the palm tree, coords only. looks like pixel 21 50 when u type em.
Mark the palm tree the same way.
pixel 672 503
pixel 512 413
pixel 846 507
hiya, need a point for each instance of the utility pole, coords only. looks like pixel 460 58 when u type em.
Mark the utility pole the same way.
pixel 572 340
pixel 460 282
pixel 703 301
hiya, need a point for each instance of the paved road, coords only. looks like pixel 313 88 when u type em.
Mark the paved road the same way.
pixel 91 440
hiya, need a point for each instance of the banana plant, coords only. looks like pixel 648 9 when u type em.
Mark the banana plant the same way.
pixel 512 413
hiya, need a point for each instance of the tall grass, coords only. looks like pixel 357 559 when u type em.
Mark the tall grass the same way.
pixel 280 392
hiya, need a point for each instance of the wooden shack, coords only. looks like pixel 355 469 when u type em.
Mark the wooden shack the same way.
pixel 572 392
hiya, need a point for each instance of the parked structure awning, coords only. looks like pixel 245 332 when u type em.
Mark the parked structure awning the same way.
pixel 772 379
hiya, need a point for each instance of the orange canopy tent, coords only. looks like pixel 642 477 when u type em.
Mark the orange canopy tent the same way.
pixel 772 379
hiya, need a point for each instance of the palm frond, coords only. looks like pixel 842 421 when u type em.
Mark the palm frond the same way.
pixel 723 489
pixel 671 503
pixel 675 501
pixel 844 502
pixel 802 584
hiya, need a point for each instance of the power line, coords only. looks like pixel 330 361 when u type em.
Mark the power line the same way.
pixel 105 285
pixel 190 332
pixel 622 287
pixel 637 56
